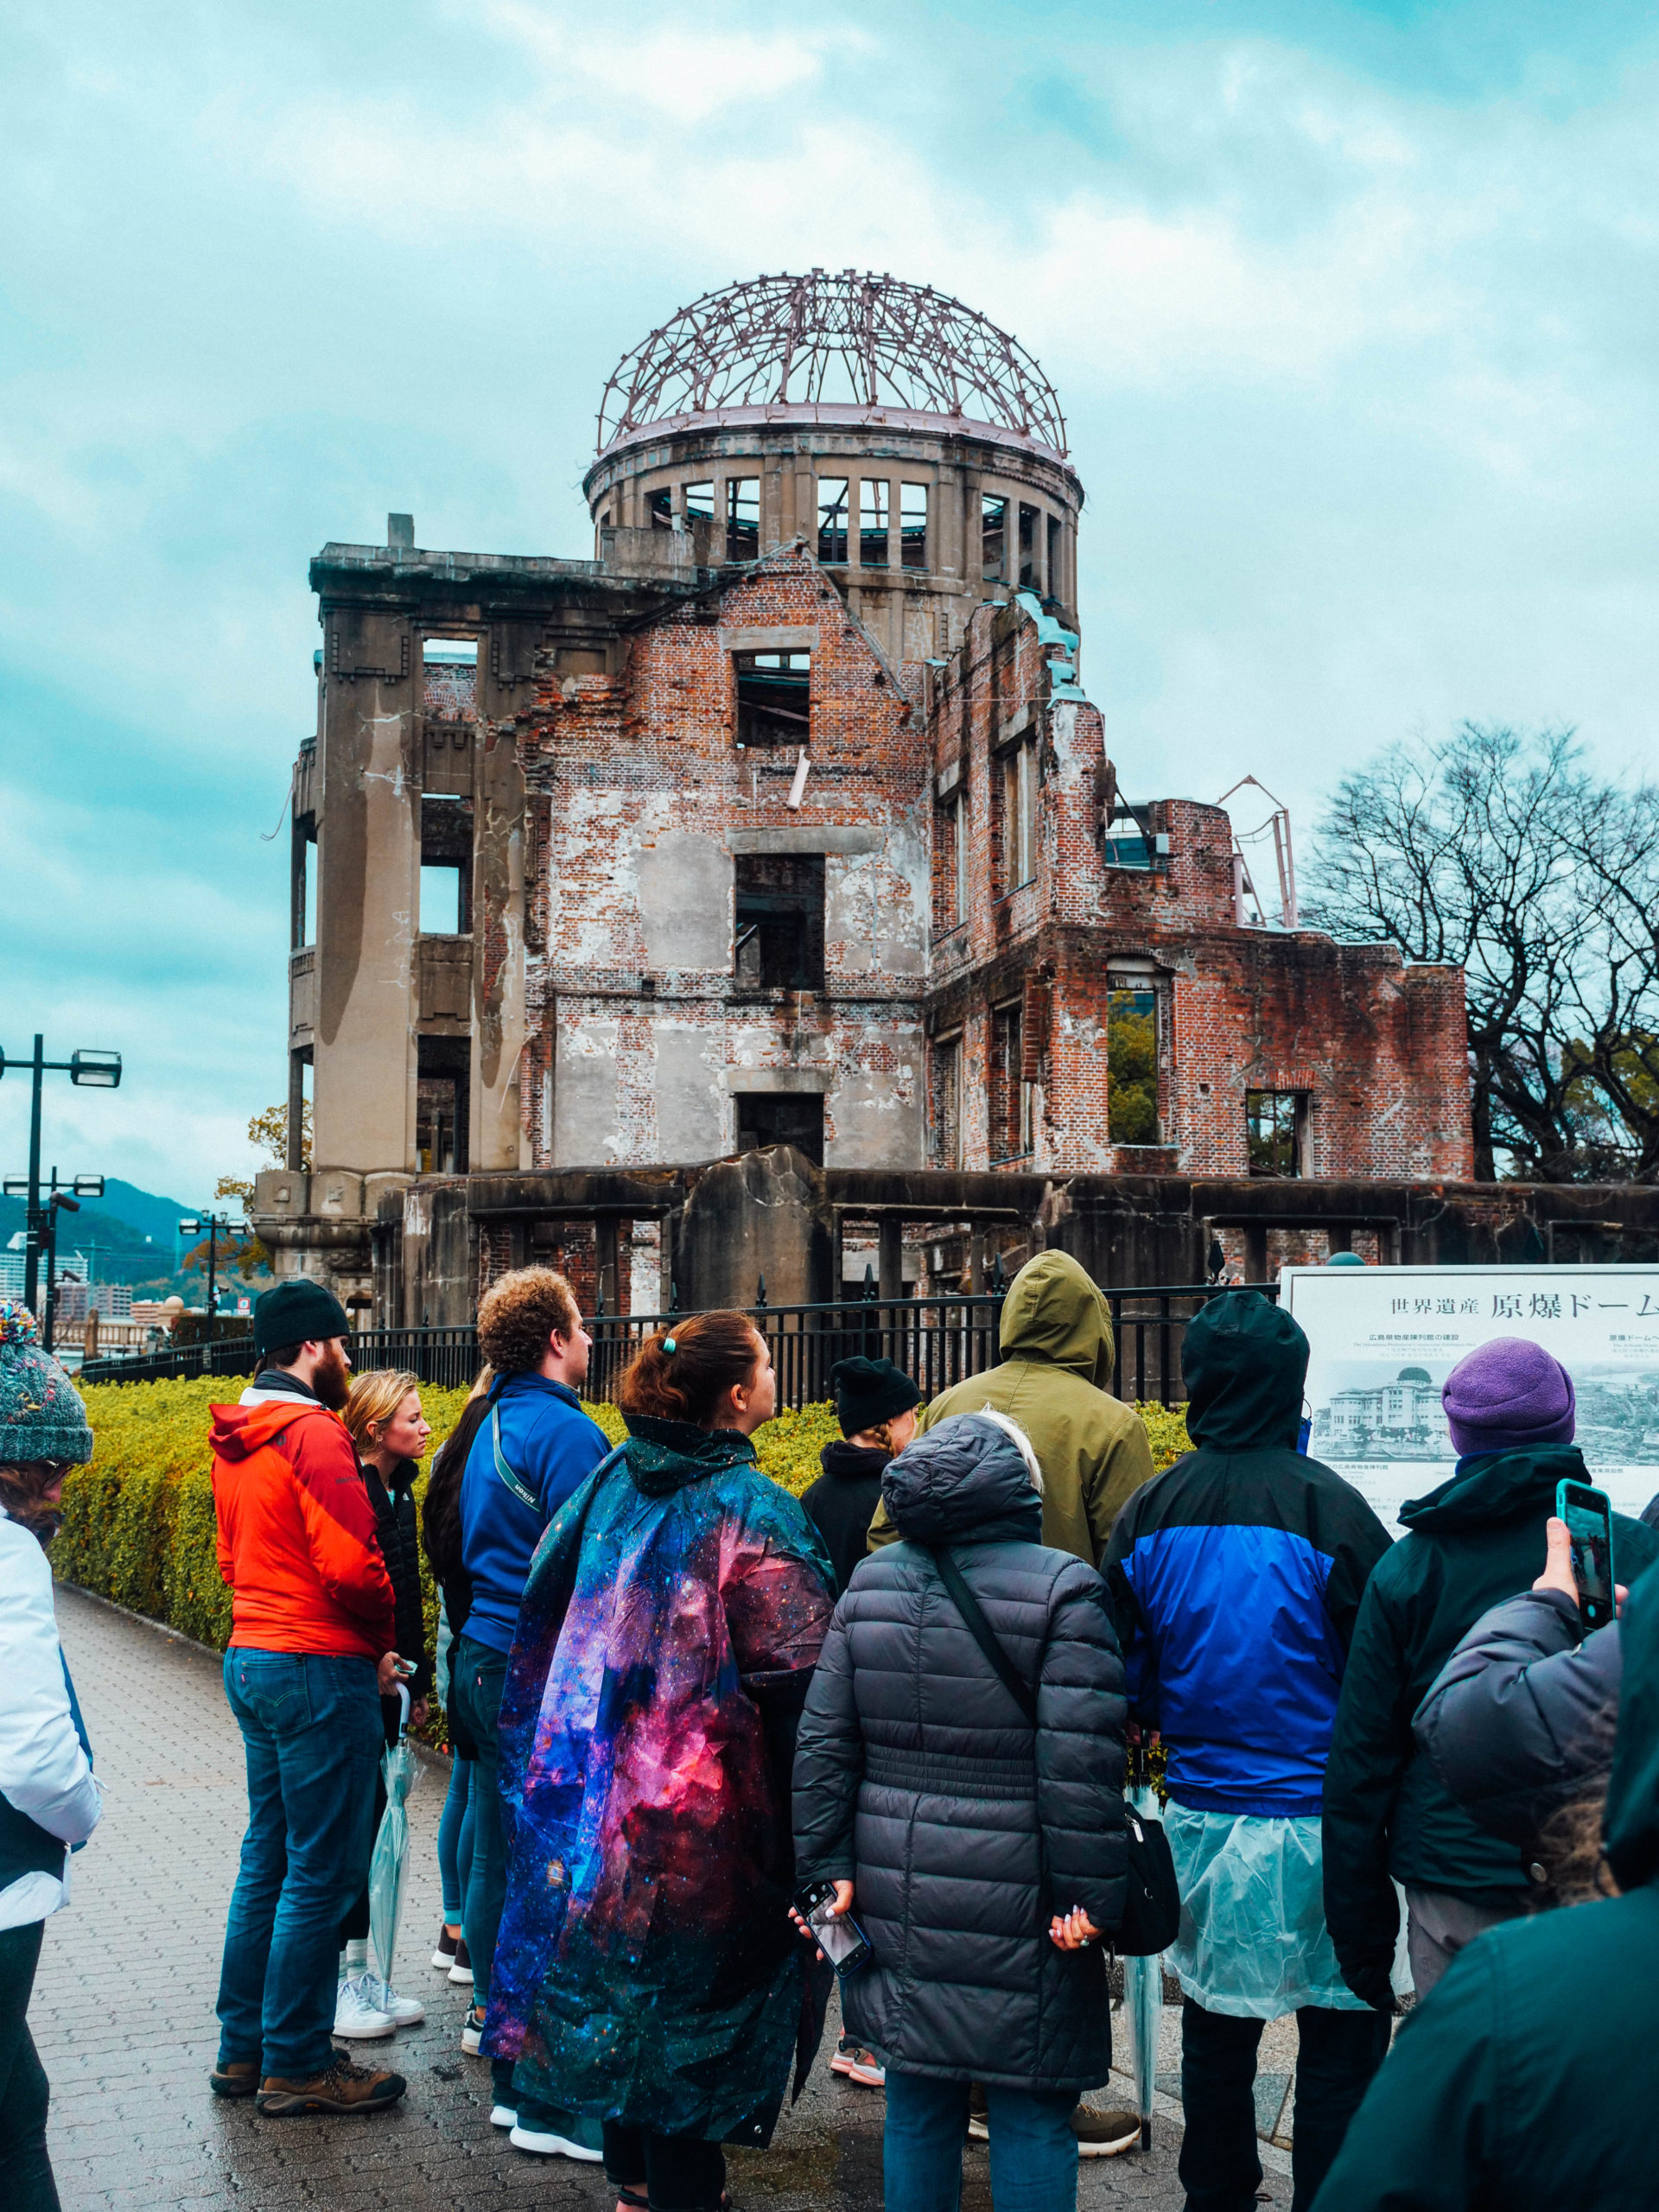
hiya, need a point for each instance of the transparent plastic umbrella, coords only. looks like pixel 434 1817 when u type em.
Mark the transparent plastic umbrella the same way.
pixel 1143 2000
pixel 398 1768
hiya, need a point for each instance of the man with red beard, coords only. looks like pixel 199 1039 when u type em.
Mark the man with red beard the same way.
pixel 310 1656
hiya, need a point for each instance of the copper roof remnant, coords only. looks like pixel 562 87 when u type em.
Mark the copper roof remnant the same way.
pixel 851 339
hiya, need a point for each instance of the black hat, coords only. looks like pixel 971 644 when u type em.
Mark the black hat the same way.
pixel 296 1312
pixel 869 1392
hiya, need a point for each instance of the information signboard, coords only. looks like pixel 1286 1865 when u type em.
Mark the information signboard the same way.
pixel 1384 1339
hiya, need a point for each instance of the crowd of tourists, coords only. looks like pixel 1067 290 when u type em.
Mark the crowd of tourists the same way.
pixel 709 1742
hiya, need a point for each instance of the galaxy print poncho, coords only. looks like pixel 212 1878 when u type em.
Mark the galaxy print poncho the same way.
pixel 646 1970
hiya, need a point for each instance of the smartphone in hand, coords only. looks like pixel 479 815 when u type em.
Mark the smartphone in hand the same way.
pixel 1589 1517
pixel 843 1942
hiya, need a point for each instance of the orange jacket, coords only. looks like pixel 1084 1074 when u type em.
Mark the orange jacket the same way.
pixel 297 1539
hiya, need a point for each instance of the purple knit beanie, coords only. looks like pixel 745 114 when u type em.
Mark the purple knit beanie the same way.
pixel 1506 1395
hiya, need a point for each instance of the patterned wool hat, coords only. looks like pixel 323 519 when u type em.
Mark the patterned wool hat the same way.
pixel 41 1414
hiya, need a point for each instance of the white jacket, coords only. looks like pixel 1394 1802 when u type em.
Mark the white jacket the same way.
pixel 43 1770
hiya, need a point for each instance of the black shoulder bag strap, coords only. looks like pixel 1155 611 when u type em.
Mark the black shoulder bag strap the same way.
pixel 1011 1680
pixel 984 1634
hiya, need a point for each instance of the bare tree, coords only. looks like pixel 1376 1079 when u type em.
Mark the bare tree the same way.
pixel 1500 853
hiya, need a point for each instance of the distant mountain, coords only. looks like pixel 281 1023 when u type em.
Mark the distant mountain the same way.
pixel 119 1223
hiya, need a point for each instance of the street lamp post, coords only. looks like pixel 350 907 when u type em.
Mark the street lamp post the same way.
pixel 210 1224
pixel 92 1070
pixel 59 1197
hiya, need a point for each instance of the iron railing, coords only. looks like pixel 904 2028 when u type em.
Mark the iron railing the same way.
pixel 937 1340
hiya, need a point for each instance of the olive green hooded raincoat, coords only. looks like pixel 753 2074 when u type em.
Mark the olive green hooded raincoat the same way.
pixel 1054 1378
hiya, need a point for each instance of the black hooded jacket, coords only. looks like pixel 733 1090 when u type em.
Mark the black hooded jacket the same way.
pixel 918 1779
pixel 1524 2083
pixel 398 1528
pixel 842 1503
pixel 1235 1576
pixel 1472 1542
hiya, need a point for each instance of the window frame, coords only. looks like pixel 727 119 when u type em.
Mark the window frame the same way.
pixel 1290 1114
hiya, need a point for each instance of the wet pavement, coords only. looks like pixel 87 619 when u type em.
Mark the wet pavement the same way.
pixel 123 2011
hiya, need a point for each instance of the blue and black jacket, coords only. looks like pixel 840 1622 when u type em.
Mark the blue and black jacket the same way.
pixel 1237 1574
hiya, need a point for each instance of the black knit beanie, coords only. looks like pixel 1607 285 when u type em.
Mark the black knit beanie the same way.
pixel 869 1391
pixel 298 1311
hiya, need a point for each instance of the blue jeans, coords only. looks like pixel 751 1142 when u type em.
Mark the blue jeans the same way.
pixel 455 1839
pixel 311 1729
pixel 1033 2146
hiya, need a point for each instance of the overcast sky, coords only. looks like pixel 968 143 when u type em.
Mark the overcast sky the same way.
pixel 1351 310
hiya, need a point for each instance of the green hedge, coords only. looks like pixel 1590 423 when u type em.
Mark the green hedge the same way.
pixel 138 1521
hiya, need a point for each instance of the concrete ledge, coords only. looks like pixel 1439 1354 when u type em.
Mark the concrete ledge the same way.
pixel 847 842
pixel 800 1081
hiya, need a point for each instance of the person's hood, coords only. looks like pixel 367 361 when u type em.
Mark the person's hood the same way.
pixel 966 1481
pixel 1053 1311
pixel 664 1456
pixel 1244 1360
pixel 1630 1820
pixel 853 1463
pixel 1496 1486
pixel 239 1431
pixel 276 1382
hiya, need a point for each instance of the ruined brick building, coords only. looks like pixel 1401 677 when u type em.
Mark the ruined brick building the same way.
pixel 787 819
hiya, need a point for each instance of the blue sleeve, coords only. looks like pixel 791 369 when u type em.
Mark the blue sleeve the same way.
pixel 562 1455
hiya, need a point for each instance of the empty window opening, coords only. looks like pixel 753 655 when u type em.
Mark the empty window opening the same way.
pixel 774 698
pixel 993 534
pixel 441 900
pixel 454 652
pixel 699 504
pixel 1274 1125
pixel 832 519
pixel 442 1065
pixel 1011 1103
pixel 743 518
pixel 304 886
pixel 1132 1065
pixel 944 1102
pixel 767 1117
pixel 950 863
pixel 450 678
pixel 1019 816
pixel 912 525
pixel 873 525
pixel 779 915
pixel 1029 518
pixel 1051 571
pixel 659 509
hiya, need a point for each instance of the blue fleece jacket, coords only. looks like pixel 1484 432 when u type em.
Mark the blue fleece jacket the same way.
pixel 552 1446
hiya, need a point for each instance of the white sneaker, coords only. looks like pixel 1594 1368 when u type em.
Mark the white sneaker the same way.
pixel 551 2146
pixel 355 2018
pixel 503 2116
pixel 406 2011
pixel 472 2031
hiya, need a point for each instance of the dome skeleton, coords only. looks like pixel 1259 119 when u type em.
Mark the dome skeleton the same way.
pixel 781 342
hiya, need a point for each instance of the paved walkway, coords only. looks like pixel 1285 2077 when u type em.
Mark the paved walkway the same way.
pixel 123 2010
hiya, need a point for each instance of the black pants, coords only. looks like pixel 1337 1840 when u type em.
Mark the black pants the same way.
pixel 26 2183
pixel 682 2173
pixel 1338 2053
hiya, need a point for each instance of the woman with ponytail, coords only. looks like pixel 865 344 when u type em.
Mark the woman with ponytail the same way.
pixel 645 1969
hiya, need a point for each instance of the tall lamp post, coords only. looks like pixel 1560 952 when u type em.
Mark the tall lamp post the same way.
pixel 92 1070
pixel 209 1225
pixel 59 1197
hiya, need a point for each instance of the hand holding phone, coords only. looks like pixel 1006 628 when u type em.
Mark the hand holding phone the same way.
pixel 1583 1531
pixel 821 1917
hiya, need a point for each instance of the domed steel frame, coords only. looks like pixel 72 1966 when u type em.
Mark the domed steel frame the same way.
pixel 780 339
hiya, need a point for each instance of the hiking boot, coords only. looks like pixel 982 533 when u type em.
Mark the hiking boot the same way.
pixel 345 2088
pixel 1103 2134
pixel 240 2078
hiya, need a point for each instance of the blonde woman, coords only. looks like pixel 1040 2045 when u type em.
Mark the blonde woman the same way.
pixel 391 1433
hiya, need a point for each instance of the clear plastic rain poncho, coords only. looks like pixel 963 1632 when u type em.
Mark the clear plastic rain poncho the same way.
pixel 1253 1941
pixel 1143 1999
pixel 398 1769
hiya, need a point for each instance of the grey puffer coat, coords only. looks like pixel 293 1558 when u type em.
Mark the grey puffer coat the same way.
pixel 1520 1721
pixel 918 1779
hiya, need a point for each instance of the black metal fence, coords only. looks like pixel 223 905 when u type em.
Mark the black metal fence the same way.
pixel 937 1340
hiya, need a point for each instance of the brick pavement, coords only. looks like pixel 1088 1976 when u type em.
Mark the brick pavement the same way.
pixel 122 2011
